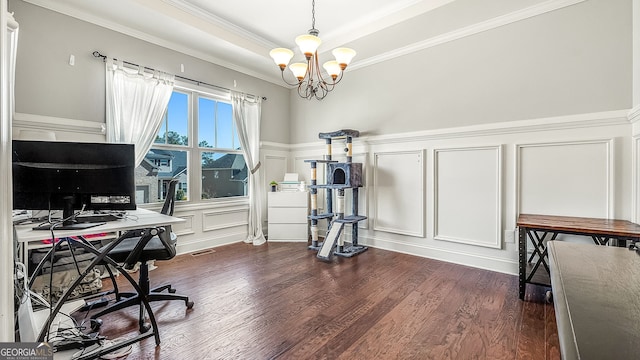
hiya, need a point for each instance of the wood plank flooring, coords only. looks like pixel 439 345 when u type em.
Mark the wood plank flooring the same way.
pixel 278 301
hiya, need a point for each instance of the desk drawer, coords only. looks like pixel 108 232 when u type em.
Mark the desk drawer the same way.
pixel 288 232
pixel 287 215
pixel 288 199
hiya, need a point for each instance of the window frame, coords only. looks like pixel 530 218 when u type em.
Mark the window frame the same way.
pixel 193 149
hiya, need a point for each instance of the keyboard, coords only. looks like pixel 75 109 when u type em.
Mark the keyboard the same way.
pixel 97 218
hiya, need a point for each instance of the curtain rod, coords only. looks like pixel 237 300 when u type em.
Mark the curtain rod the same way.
pixel 198 82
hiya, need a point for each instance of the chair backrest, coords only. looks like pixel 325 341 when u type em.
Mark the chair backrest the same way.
pixel 170 199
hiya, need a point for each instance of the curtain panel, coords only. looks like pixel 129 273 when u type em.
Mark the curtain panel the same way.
pixel 136 103
pixel 246 115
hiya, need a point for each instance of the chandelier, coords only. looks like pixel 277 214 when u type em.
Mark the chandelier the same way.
pixel 311 83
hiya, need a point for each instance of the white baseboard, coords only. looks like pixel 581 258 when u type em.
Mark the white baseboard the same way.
pixel 478 261
pixel 208 243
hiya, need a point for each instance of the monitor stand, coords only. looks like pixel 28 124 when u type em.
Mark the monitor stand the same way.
pixel 68 214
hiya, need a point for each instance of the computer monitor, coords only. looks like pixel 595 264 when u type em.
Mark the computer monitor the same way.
pixel 69 176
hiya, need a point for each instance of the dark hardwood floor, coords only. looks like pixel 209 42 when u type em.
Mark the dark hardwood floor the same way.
pixel 278 301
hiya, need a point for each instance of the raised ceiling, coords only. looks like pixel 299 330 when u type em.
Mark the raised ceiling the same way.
pixel 239 34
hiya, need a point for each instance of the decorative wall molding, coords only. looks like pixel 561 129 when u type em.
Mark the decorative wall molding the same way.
pixel 185 228
pixel 41 122
pixel 242 203
pixel 577 121
pixel 410 195
pixel 268 145
pixel 567 122
pixel 634 117
pixel 609 169
pixel 522 14
pixel 470 237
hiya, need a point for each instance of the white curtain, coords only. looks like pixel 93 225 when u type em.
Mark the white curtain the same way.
pixel 136 103
pixel 246 114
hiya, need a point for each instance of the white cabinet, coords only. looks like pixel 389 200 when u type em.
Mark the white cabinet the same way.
pixel 287 216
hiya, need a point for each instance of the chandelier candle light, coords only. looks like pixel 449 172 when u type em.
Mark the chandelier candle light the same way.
pixel 311 83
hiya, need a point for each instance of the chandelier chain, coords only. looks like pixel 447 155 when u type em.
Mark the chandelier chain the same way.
pixel 313 14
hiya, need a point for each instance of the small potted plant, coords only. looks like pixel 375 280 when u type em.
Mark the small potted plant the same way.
pixel 273 184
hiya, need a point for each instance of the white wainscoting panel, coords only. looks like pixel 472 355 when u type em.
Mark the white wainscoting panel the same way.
pixel 566 178
pixel 186 227
pixel 224 218
pixel 399 195
pixel 468 195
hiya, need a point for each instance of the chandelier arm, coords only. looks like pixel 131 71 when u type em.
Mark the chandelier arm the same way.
pixel 320 77
pixel 337 80
pixel 297 83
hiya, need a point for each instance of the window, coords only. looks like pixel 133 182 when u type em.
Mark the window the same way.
pixel 212 168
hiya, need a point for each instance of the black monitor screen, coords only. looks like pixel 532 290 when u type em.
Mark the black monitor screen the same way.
pixel 52 175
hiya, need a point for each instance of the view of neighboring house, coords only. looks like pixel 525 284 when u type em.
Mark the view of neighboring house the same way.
pixel 225 176
pixel 155 172
pixel 222 177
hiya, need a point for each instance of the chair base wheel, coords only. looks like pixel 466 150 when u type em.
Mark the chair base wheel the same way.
pixel 144 328
pixel 171 290
pixel 96 324
pixel 190 304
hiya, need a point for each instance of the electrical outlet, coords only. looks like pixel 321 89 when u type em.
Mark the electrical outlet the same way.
pixel 510 236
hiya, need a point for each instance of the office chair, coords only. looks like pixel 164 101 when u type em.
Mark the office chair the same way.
pixel 145 245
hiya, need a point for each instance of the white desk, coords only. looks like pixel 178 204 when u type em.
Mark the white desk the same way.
pixel 137 219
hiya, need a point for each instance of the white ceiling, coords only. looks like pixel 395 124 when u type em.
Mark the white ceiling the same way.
pixel 239 34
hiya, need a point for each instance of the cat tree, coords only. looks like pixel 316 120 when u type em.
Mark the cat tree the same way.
pixel 339 177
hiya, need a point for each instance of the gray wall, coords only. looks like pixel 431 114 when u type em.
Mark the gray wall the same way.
pixel 569 61
pixel 47 85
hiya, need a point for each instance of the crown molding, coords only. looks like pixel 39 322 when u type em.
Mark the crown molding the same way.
pixel 526 13
pixel 199 12
pixel 393 13
pixel 117 27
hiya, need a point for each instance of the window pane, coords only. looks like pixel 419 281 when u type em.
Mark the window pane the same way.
pixel 157 168
pixel 224 135
pixel 174 129
pixel 206 122
pixel 223 175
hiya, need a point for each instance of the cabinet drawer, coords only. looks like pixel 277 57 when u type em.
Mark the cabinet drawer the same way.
pixel 292 232
pixel 288 198
pixel 287 215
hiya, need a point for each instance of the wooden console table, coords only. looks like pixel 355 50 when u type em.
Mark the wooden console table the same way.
pixel 595 296
pixel 540 229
